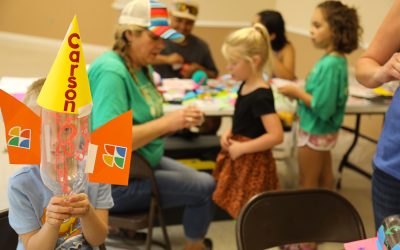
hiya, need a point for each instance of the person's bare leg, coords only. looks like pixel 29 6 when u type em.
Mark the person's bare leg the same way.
pixel 310 167
pixel 326 178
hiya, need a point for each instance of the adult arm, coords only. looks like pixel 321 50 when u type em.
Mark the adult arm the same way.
pixel 207 63
pixel 284 63
pixel 188 71
pixel 110 100
pixel 170 122
pixel 173 58
pixel 380 63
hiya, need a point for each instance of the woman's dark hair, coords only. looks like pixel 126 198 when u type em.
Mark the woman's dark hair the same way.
pixel 344 24
pixel 273 21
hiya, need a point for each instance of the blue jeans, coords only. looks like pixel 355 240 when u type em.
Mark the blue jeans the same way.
pixel 178 185
pixel 385 196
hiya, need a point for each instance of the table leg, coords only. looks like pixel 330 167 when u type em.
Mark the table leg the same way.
pixel 345 160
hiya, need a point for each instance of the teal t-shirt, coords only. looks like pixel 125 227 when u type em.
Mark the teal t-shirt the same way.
pixel 328 85
pixel 114 92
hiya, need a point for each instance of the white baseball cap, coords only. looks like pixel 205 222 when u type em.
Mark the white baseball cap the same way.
pixel 150 14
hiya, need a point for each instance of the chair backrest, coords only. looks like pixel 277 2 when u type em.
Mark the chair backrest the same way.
pixel 8 237
pixel 140 169
pixel 277 218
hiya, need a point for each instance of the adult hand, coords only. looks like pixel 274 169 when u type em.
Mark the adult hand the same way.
pixel 235 149
pixel 390 70
pixel 57 211
pixel 225 140
pixel 188 69
pixel 184 118
pixel 195 116
pixel 80 204
pixel 175 58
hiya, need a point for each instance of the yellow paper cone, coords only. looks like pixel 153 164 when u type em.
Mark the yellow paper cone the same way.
pixel 67 86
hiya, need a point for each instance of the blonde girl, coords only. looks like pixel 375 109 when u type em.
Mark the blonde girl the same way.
pixel 245 166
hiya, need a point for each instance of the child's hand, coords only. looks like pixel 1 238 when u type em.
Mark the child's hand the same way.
pixel 235 149
pixel 57 211
pixel 225 140
pixel 80 204
pixel 291 91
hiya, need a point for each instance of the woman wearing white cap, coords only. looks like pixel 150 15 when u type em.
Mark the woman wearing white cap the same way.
pixel 121 80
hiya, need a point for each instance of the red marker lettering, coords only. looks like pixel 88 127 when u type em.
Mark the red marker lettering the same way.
pixel 74 57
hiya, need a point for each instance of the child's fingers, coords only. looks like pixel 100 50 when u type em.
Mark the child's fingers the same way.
pixel 57 216
pixel 58 204
pixel 77 197
pixel 79 211
pixel 79 204
pixel 58 200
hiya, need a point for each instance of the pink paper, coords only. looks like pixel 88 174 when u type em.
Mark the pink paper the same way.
pixel 19 96
pixel 367 244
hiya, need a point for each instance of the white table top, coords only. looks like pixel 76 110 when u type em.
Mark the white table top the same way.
pixel 17 85
pixel 354 106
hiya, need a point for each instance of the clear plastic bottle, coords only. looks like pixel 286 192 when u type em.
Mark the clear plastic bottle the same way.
pixel 391 229
pixel 65 138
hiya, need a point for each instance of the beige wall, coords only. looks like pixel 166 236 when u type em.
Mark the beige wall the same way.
pixel 50 18
pixel 97 19
pixel 228 11
pixel 306 54
pixel 297 14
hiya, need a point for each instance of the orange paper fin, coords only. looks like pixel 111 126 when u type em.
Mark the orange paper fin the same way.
pixel 22 128
pixel 109 155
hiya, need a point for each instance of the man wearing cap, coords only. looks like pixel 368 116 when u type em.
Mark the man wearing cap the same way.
pixel 183 59
pixel 122 80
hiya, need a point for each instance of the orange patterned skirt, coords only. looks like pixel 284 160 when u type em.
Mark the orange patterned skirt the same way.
pixel 239 180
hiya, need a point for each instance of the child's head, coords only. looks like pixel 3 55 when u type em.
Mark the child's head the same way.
pixel 336 25
pixel 275 25
pixel 32 94
pixel 247 51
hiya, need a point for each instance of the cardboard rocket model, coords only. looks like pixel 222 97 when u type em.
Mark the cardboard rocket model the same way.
pixel 61 140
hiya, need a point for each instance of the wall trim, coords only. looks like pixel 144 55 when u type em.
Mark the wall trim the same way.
pixel 221 24
pixel 99 48
pixel 298 31
pixel 241 24
pixel 45 41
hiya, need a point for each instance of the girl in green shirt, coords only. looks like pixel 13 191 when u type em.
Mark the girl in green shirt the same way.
pixel 321 105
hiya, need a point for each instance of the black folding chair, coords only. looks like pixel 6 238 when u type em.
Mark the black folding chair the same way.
pixel 8 237
pixel 277 218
